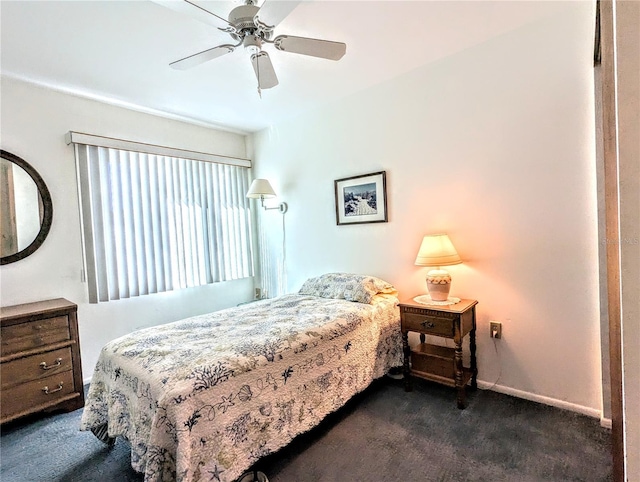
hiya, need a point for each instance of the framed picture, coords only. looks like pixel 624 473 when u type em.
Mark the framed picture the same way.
pixel 361 199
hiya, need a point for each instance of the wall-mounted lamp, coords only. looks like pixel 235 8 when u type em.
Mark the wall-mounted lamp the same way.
pixel 437 250
pixel 261 189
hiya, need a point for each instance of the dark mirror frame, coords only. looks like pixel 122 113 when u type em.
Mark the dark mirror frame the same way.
pixel 47 216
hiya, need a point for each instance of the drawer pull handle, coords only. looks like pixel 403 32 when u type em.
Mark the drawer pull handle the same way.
pixel 428 324
pixel 56 364
pixel 48 392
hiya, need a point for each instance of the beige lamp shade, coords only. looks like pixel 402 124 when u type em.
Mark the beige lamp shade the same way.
pixel 437 250
pixel 259 189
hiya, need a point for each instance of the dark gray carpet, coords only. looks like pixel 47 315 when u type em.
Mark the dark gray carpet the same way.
pixel 383 434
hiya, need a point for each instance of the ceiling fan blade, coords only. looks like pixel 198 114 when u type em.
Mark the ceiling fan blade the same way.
pixel 310 46
pixel 263 68
pixel 273 12
pixel 193 10
pixel 201 57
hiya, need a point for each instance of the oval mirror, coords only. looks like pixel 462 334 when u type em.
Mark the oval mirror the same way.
pixel 26 210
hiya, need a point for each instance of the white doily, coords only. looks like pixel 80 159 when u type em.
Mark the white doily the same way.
pixel 426 300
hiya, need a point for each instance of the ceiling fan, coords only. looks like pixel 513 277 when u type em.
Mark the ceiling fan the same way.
pixel 252 27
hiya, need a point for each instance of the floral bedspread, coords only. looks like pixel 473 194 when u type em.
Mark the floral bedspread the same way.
pixel 204 398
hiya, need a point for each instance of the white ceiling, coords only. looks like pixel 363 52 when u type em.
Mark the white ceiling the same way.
pixel 120 50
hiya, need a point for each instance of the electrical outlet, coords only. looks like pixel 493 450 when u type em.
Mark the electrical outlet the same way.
pixel 495 329
pixel 258 294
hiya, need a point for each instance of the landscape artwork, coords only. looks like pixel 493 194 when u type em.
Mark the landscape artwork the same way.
pixel 361 199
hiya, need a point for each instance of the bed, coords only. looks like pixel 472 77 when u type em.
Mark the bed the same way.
pixel 206 397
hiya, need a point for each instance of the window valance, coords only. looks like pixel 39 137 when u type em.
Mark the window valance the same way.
pixel 73 137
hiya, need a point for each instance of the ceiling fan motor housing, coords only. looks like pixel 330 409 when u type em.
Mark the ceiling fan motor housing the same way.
pixel 242 19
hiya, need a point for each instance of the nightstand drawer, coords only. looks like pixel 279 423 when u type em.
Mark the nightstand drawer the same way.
pixel 427 324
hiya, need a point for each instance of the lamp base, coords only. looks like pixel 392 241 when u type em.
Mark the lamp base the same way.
pixel 438 284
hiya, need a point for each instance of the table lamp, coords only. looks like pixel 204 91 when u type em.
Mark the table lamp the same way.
pixel 437 250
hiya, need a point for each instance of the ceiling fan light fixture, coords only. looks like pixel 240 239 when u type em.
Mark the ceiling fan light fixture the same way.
pixel 252 44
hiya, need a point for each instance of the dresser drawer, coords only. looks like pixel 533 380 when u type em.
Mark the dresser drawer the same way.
pixel 32 394
pixel 426 323
pixel 34 334
pixel 36 367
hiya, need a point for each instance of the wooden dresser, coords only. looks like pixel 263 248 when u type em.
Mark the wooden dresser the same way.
pixel 40 366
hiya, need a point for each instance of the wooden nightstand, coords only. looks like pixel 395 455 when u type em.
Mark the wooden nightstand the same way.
pixel 439 363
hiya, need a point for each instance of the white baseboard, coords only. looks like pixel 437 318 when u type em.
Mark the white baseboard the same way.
pixel 605 422
pixel 554 402
pixel 86 381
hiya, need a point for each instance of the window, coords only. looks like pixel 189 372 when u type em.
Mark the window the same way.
pixel 155 223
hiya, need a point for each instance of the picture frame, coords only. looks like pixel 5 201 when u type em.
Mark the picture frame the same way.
pixel 361 199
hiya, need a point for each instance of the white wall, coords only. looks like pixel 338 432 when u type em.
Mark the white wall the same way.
pixel 34 122
pixel 493 145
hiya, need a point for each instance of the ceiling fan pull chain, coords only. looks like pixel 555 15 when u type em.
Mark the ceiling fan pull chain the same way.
pixel 258 75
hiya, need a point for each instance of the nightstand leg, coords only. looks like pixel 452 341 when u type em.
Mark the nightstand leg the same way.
pixel 459 374
pixel 472 348
pixel 406 371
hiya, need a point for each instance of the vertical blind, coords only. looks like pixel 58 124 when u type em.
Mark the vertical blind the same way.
pixel 154 223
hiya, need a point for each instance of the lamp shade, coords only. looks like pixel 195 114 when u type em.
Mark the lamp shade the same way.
pixel 260 188
pixel 437 250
